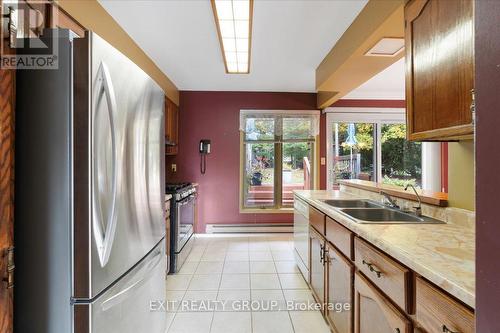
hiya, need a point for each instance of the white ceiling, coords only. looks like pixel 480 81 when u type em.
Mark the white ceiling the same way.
pixel 388 84
pixel 289 40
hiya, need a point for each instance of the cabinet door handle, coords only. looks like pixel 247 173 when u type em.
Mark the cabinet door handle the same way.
pixel 325 255
pixel 321 254
pixel 447 330
pixel 373 268
pixel 473 105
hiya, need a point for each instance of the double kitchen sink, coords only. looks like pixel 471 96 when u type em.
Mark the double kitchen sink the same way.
pixel 368 211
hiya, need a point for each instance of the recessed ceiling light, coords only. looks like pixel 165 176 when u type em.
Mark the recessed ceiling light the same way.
pixel 233 19
pixel 387 47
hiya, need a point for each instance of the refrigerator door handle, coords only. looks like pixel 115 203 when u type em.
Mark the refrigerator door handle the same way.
pixel 139 278
pixel 104 226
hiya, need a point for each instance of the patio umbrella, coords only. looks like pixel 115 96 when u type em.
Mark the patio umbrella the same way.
pixel 351 140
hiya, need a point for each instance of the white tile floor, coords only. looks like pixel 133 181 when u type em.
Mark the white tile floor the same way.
pixel 240 283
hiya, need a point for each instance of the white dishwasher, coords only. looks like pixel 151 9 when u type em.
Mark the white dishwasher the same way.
pixel 301 236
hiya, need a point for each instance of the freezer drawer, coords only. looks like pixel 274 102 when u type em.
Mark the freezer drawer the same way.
pixel 131 306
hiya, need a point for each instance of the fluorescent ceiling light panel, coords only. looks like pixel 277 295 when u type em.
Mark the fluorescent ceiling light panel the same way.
pixel 234 28
pixel 387 47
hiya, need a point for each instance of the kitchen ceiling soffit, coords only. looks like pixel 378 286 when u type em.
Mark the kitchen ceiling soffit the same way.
pixel 380 25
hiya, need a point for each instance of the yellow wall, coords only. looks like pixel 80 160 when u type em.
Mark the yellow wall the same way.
pixel 91 15
pixel 461 176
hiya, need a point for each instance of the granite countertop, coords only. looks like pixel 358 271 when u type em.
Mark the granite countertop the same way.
pixel 442 253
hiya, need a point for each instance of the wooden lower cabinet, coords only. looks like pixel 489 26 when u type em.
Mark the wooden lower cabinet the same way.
pixel 387 274
pixel 361 289
pixel 437 312
pixel 317 265
pixel 317 220
pixel 339 291
pixel 373 313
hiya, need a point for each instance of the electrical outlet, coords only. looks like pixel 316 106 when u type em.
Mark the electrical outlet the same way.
pixel 323 161
pixel 174 167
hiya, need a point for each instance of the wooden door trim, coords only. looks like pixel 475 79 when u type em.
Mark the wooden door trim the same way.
pixel 7 141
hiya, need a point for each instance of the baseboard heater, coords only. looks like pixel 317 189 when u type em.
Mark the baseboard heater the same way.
pixel 249 228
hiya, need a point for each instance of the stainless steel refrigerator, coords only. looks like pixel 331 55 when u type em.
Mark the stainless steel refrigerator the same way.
pixel 90 230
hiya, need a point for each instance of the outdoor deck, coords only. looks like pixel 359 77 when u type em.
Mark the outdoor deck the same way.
pixel 263 194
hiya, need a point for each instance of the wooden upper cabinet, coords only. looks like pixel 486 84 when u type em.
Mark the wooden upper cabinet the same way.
pixel 439 47
pixel 171 127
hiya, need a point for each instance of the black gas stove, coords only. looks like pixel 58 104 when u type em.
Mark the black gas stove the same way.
pixel 182 214
pixel 180 190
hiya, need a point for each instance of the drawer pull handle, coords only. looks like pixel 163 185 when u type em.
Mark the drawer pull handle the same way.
pixel 447 330
pixel 373 268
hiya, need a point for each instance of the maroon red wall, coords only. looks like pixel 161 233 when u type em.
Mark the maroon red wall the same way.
pixel 487 87
pixel 215 116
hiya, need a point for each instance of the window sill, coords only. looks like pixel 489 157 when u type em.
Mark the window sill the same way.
pixel 288 210
pixel 428 197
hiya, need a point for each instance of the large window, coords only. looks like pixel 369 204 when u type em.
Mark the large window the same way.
pixel 401 159
pixel 372 146
pixel 277 156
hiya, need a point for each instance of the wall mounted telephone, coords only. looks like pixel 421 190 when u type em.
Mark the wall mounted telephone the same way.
pixel 204 151
pixel 205 147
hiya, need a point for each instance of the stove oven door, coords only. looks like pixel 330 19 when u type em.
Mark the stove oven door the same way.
pixel 185 221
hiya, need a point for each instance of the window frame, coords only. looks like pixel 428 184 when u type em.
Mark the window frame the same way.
pixel 376 116
pixel 278 141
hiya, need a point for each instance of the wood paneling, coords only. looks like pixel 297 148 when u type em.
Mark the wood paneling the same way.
pixel 373 313
pixel 437 312
pixel 439 39
pixel 7 118
pixel 317 220
pixel 341 237
pixel 387 274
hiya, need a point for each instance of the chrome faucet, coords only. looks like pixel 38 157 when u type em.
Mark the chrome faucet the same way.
pixel 392 203
pixel 418 209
